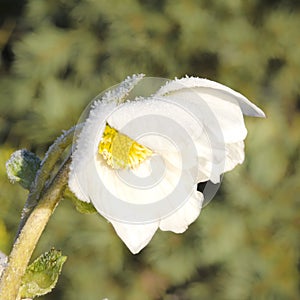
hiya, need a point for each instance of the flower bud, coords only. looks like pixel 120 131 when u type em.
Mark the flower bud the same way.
pixel 22 167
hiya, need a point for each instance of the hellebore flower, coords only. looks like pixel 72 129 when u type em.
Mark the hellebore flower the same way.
pixel 138 159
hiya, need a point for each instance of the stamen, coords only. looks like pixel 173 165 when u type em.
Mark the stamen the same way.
pixel 120 151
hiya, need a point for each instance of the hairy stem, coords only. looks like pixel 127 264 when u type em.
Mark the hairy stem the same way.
pixel 53 154
pixel 30 234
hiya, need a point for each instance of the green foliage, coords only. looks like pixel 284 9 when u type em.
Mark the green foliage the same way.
pixel 82 207
pixel 62 53
pixel 41 276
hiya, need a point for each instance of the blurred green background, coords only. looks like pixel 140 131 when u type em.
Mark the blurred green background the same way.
pixel 57 55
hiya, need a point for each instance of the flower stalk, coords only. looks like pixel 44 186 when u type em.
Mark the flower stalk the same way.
pixel 51 157
pixel 30 234
pixel 43 198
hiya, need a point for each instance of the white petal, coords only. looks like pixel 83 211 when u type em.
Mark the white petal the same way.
pixel 221 160
pixel 218 111
pixel 179 221
pixel 137 193
pixel 234 155
pixel 83 156
pixel 119 93
pixel 157 112
pixel 247 106
pixel 82 169
pixel 136 237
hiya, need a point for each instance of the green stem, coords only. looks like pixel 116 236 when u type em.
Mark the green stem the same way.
pixel 53 154
pixel 30 234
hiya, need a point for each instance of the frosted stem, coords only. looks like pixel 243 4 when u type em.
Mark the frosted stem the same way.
pixel 53 154
pixel 30 234
pixel 44 196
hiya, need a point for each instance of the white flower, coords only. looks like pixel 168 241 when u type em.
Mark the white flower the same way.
pixel 139 159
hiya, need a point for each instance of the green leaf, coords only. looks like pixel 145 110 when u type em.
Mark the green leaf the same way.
pixel 42 275
pixel 82 207
pixel 22 167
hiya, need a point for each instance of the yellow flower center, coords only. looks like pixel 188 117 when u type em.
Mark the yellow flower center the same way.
pixel 120 151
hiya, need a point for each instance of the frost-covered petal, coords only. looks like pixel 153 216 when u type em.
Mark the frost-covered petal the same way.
pixel 159 118
pixel 219 112
pixel 119 93
pixel 179 221
pixel 218 107
pixel 144 110
pixel 209 143
pixel 136 237
pixel 83 157
pixel 201 84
